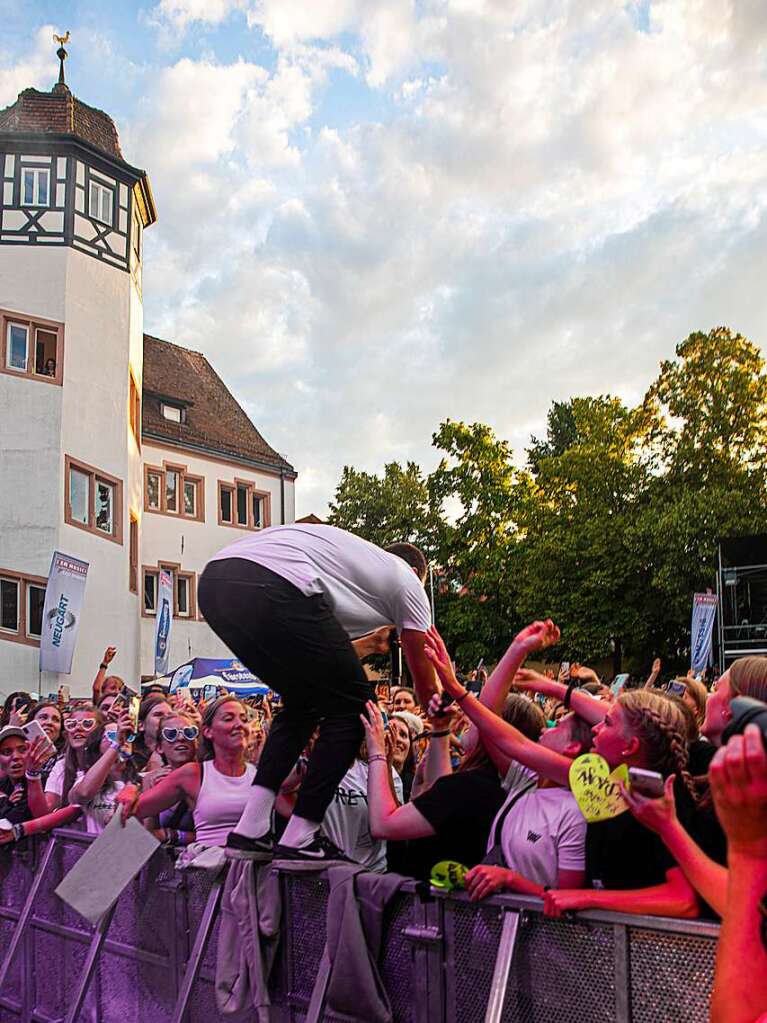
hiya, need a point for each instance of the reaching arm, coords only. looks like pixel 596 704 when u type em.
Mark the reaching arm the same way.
pixel 484 880
pixel 421 670
pixel 652 678
pixel 38 753
pixel 101 674
pixel 591 710
pixel 536 636
pixel 96 777
pixel 675 897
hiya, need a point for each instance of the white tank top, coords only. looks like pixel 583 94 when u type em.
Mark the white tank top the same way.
pixel 220 803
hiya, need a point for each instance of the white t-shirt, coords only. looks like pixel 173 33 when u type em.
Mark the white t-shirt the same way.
pixel 543 833
pixel 365 586
pixel 347 822
pixel 98 812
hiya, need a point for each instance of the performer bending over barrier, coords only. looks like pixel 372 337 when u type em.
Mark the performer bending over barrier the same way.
pixel 289 602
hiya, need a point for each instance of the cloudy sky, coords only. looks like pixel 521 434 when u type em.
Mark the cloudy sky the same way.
pixel 377 214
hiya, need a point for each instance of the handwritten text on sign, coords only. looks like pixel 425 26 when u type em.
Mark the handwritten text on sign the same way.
pixel 595 787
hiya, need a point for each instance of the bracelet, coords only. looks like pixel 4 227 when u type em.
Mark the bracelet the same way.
pixel 103 666
pixel 32 775
pixel 377 756
pixel 18 832
pixel 438 735
pixel 460 699
pixel 116 746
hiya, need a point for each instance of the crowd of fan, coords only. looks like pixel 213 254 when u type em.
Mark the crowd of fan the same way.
pixel 482 781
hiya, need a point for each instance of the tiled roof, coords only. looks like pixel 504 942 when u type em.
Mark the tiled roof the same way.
pixel 311 520
pixel 58 112
pixel 213 420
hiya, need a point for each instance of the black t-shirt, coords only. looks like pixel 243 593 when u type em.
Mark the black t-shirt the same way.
pixel 18 812
pixel 701 754
pixel 461 808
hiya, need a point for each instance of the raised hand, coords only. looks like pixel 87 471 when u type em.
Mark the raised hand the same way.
pixel 436 651
pixel 39 752
pixel 738 779
pixel 537 636
pixel 375 733
pixel 655 814
pixel 109 654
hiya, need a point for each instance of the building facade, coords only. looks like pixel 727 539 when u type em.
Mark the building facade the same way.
pixel 117 447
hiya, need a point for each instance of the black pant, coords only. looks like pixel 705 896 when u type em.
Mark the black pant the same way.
pixel 296 645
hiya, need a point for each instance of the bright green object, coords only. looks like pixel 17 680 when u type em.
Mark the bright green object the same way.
pixel 449 875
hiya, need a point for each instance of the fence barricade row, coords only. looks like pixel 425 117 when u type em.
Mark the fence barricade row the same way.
pixel 444 960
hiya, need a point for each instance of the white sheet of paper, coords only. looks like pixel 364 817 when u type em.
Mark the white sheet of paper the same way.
pixel 106 867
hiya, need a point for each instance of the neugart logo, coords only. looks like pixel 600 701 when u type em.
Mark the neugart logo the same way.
pixel 59 619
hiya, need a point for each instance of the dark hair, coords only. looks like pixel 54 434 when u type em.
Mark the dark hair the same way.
pixel 90 751
pixel 161 725
pixel 580 732
pixel 8 705
pixel 402 689
pixel 412 555
pixel 141 752
pixel 60 742
pixel 518 711
pixel 206 750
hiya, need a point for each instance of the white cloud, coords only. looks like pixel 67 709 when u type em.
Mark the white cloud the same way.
pixel 35 69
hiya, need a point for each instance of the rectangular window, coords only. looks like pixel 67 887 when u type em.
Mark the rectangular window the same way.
pixel 17 348
pixel 182 596
pixel 133 554
pixel 105 507
pixel 35 187
pixel 92 500
pixel 170 490
pixel 190 498
pixel 134 409
pixel 258 502
pixel 33 349
pixel 22 599
pixel 172 413
pixel 35 604
pixel 225 503
pixel 242 505
pixel 101 203
pixel 9 605
pixel 136 237
pixel 150 592
pixel 79 495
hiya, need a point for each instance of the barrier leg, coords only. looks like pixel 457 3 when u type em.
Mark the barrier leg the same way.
pixel 94 951
pixel 198 950
pixel 622 974
pixel 502 967
pixel 26 913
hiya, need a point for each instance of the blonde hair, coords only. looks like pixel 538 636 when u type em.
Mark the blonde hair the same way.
pixel 748 677
pixel 699 694
pixel 662 731
pixel 205 750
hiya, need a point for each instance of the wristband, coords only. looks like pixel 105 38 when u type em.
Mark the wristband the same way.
pixel 182 837
pixel 438 735
pixel 103 666
pixel 572 684
pixel 377 756
pixel 115 745
pixel 18 832
pixel 460 699
pixel 32 775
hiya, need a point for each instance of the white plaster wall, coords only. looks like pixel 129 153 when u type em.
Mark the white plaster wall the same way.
pixel 88 419
pixel 168 538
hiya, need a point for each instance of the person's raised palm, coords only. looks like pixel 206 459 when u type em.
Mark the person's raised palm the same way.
pixel 436 651
pixel 537 636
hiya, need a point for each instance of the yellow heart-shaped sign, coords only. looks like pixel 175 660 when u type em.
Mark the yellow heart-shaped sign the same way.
pixel 595 787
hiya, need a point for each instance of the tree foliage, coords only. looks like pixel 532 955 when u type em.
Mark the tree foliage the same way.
pixel 609 528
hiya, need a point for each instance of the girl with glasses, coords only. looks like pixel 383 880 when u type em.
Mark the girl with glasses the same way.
pixel 97 788
pixel 177 745
pixel 83 727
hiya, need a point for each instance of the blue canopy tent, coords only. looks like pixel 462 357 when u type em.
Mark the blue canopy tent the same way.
pixel 226 673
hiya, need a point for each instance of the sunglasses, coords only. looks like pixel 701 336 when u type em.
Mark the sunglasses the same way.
pixel 86 724
pixel 190 733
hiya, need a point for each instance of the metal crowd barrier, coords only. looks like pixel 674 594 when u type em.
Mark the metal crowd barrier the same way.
pixel 444 960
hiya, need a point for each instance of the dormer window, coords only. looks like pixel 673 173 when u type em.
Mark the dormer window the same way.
pixel 173 413
pixel 101 203
pixel 35 186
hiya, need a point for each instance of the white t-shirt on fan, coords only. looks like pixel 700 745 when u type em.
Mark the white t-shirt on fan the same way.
pixel 99 811
pixel 365 586
pixel 543 833
pixel 347 821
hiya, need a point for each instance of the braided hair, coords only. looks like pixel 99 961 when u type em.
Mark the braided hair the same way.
pixel 661 729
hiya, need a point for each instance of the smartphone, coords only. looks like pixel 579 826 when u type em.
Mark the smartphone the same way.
pixel 133 707
pixel 565 667
pixel 540 699
pixel 34 730
pixel 184 694
pixel 619 682
pixel 65 694
pixel 676 688
pixel 646 783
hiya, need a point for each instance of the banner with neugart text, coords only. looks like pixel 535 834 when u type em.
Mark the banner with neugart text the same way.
pixel 703 615
pixel 64 595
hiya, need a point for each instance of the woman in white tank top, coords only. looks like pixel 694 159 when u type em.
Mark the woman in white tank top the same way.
pixel 217 789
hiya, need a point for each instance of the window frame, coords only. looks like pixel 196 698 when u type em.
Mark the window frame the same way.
pixel 96 476
pixel 134 407
pixel 23 582
pixel 252 491
pixel 33 326
pixel 36 172
pixel 133 551
pixel 102 191
pixel 184 477
pixel 176 573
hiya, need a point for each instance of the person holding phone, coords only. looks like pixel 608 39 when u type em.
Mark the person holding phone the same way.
pixel 290 601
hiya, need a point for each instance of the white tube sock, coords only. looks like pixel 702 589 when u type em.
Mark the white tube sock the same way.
pixel 256 818
pixel 299 832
